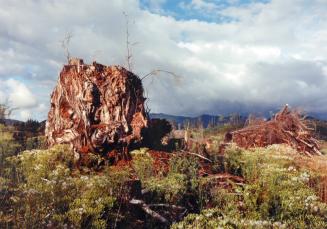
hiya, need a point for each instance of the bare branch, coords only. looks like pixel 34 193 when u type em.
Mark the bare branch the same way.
pixel 167 206
pixel 128 44
pixel 158 71
pixel 146 208
pixel 6 110
pixel 198 155
pixel 65 44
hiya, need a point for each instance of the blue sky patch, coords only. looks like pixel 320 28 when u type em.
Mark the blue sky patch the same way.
pixel 202 10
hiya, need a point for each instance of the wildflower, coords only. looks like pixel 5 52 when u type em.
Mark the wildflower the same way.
pixel 291 169
pixel 304 177
pixel 84 177
pixel 32 191
pixel 209 214
pixel 315 209
pixel 294 179
pixel 80 211
pixel 311 198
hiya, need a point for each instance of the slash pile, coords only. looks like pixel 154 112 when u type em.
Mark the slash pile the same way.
pixel 286 127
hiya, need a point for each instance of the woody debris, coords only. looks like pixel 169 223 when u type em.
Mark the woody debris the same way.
pixel 286 127
pixel 96 108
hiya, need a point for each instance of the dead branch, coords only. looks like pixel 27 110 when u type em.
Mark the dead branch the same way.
pixel 6 110
pixel 146 208
pixel 65 44
pixel 198 155
pixel 181 216
pixel 129 55
pixel 226 176
pixel 158 71
pixel 167 206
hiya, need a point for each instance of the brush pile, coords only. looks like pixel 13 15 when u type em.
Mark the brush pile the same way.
pixel 96 108
pixel 286 127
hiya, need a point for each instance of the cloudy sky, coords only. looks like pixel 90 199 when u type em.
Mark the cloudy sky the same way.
pixel 230 55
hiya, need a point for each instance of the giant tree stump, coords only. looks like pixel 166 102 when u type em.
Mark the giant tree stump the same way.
pixel 96 108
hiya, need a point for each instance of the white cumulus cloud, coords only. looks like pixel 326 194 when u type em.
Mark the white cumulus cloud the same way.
pixel 19 95
pixel 268 54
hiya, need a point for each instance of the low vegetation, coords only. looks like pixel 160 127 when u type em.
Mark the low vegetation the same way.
pixel 272 187
pixel 276 194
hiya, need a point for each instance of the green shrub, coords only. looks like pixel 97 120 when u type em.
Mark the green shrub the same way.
pixel 180 182
pixel 214 218
pixel 277 193
pixel 54 194
pixel 142 164
pixel 211 194
pixel 8 148
pixel 8 176
pixel 188 165
pixel 38 142
pixel 88 209
pixel 48 187
pixel 184 164
pixel 170 189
